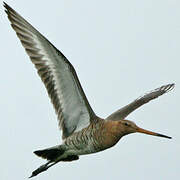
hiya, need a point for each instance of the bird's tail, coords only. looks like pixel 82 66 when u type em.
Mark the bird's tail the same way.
pixel 53 155
pixel 50 153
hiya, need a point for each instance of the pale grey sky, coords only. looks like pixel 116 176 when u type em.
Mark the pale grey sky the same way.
pixel 120 50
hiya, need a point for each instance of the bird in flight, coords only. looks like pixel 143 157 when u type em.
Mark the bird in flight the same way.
pixel 83 132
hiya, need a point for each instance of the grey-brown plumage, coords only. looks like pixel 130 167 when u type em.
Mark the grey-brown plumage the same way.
pixel 83 131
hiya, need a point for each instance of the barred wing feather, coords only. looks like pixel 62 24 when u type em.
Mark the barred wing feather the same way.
pixel 126 110
pixel 64 89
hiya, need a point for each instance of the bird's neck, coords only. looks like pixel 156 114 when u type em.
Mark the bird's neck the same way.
pixel 111 133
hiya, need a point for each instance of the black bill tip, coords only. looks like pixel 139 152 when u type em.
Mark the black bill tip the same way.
pixel 164 136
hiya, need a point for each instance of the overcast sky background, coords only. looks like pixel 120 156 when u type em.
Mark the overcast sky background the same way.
pixel 120 50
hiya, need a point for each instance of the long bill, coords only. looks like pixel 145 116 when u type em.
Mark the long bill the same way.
pixel 140 130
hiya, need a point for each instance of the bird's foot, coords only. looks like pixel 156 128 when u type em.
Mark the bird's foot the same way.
pixel 39 170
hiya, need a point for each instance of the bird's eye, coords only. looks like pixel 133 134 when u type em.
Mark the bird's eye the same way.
pixel 126 124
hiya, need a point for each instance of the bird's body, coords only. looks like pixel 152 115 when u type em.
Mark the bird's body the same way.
pixel 83 131
pixel 96 137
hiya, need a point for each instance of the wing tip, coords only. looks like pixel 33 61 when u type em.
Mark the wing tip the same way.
pixel 168 87
pixel 8 10
pixel 7 7
pixel 5 4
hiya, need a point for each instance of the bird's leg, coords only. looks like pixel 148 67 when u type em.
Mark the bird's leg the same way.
pixel 42 168
pixel 50 163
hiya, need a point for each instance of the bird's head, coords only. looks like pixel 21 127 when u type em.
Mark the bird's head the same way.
pixel 127 127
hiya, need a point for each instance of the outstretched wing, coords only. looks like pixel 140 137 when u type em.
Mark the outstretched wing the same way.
pixel 126 110
pixel 64 89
